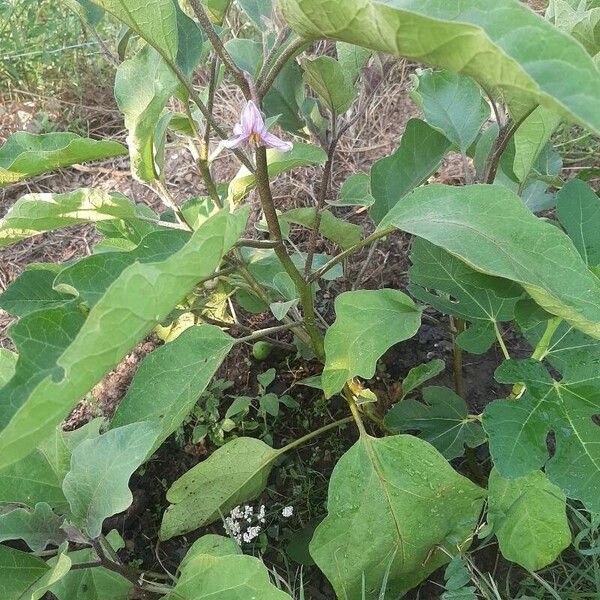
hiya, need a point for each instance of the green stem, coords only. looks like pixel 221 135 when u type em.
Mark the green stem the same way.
pixel 354 410
pixel 313 434
pixel 292 49
pixel 501 341
pixel 219 48
pixel 304 290
pixel 261 333
pixel 539 353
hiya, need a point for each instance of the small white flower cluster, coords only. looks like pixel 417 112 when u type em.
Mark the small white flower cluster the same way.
pixel 238 523
pixel 287 511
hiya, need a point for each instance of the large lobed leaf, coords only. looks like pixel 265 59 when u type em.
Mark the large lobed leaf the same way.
pixel 490 229
pixel 28 154
pixel 518 430
pixel 142 295
pixel 505 46
pixel 393 503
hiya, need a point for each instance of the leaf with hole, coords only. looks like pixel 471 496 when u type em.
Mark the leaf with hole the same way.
pixel 518 430
pixel 519 247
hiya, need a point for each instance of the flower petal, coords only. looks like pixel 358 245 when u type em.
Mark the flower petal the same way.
pixel 237 129
pixel 251 120
pixel 235 142
pixel 272 141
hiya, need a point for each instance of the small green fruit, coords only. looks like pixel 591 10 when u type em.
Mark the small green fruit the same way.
pixel 261 350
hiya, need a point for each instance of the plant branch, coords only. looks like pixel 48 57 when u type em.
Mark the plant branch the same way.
pixel 309 436
pixel 457 326
pixel 321 197
pixel 304 290
pixel 348 252
pixel 219 48
pixel 501 341
pixel 266 80
pixel 262 333
pixel 354 410
pixel 248 243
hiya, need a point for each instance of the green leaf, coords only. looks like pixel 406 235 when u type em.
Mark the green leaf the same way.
pixel 326 77
pixel 454 288
pixel 285 97
pixel 225 577
pixel 88 279
pixel 31 291
pixel 453 105
pixel 95 583
pixel 367 323
pixel 153 20
pixel 257 10
pixel 352 59
pixel 27 154
pixel 580 19
pixel 19 571
pixel 355 191
pixel 141 296
pixel 419 155
pixel 37 213
pixel 457 576
pixel 300 155
pixel 418 375
pixel 520 247
pixel 97 484
pixel 235 473
pixel 530 139
pixel 442 420
pixel 246 54
pixel 38 477
pixel 55 573
pixel 578 210
pixel 517 430
pixel 341 232
pixel 211 544
pixel 551 69
pixel 529 517
pixel 374 486
pixel 37 528
pixel 8 363
pixel 143 85
pixel 169 380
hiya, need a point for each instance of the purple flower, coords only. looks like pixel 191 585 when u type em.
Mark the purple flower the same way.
pixel 252 130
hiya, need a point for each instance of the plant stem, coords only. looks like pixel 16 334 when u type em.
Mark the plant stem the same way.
pixel 501 341
pixel 309 436
pixel 321 197
pixel 338 258
pixel 457 326
pixel 163 193
pixel 261 333
pixel 292 49
pixel 219 48
pixel 539 353
pixel 354 410
pixel 304 290
pixel 249 243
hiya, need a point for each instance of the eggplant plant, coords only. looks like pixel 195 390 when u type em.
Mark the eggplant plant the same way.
pixel 495 82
